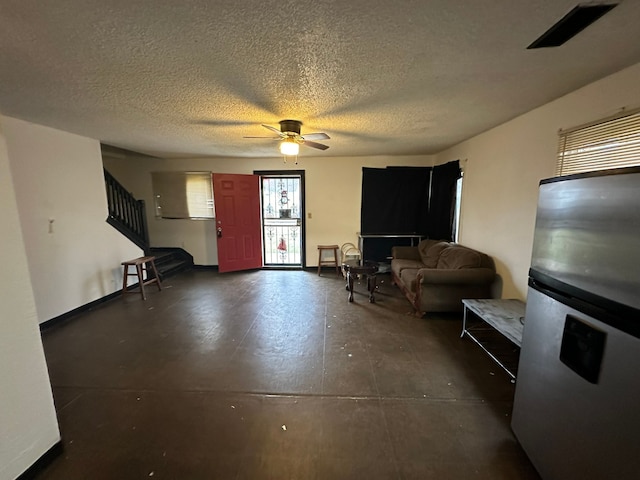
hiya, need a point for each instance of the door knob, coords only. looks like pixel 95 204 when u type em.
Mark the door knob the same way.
pixel 219 231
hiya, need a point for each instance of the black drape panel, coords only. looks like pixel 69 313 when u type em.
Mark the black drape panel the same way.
pixel 441 207
pixel 409 200
pixel 395 200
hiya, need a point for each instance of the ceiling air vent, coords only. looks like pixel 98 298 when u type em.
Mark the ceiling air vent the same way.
pixel 571 24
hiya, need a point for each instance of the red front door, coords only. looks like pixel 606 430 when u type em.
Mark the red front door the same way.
pixel 237 203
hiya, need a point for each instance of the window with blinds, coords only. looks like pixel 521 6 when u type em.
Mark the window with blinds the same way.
pixel 609 143
pixel 183 195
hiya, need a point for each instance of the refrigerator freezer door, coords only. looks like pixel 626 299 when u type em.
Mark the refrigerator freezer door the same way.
pixel 582 348
pixel 570 427
pixel 586 235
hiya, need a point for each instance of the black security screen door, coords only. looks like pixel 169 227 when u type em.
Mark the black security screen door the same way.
pixel 283 218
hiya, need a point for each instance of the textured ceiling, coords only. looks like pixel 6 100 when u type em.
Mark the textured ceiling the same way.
pixel 191 78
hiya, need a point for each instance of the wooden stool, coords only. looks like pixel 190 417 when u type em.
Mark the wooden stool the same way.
pixel 142 265
pixel 328 262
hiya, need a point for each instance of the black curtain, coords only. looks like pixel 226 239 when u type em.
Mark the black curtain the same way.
pixel 443 194
pixel 409 200
pixel 395 200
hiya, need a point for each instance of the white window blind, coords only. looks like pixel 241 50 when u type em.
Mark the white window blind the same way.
pixel 610 143
pixel 200 195
pixel 183 194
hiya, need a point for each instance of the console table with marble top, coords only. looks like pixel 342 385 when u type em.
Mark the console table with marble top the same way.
pixel 505 316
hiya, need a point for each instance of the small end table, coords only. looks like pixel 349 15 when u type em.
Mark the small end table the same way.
pixel 359 267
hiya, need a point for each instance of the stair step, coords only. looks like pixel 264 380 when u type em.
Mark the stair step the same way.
pixel 171 261
pixel 164 260
pixel 170 266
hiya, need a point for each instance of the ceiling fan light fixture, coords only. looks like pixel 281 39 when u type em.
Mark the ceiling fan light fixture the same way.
pixel 291 139
pixel 289 147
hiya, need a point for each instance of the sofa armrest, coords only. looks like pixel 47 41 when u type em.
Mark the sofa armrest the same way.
pixel 462 276
pixel 406 253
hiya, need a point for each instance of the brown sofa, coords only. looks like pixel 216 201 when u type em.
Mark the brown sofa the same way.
pixel 436 275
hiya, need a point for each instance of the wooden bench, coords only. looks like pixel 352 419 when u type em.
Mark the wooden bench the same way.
pixel 142 265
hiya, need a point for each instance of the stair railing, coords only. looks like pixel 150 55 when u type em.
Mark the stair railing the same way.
pixel 126 214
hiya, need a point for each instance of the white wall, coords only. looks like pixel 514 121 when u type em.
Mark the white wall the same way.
pixel 28 425
pixel 57 177
pixel 333 191
pixel 504 166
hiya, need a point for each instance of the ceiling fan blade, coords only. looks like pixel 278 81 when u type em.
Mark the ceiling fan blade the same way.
pixel 319 146
pixel 271 138
pixel 274 129
pixel 315 136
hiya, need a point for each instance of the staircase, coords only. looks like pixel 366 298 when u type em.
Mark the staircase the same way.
pixel 170 261
pixel 127 215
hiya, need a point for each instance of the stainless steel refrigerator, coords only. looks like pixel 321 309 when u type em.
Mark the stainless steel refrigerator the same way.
pixel 577 402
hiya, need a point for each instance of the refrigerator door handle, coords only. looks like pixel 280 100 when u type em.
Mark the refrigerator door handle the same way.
pixel 621 317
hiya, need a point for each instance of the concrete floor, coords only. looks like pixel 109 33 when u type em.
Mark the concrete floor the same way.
pixel 274 375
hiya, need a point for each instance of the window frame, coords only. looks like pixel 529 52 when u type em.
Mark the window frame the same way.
pixel 174 199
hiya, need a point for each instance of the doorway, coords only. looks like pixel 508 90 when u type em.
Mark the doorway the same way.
pixel 282 217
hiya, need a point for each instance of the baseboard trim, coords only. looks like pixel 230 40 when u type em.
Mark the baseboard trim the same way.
pixel 205 267
pixel 271 267
pixel 53 322
pixel 283 267
pixel 43 462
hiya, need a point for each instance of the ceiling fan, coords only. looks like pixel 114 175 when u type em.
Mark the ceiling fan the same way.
pixel 291 139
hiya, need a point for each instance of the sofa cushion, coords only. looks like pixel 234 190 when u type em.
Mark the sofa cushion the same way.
pixel 458 257
pixel 400 264
pixel 426 244
pixel 431 254
pixel 408 278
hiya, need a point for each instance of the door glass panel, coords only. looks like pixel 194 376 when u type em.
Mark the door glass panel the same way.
pixel 281 220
